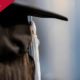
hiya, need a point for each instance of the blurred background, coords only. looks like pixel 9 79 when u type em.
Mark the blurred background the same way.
pixel 59 40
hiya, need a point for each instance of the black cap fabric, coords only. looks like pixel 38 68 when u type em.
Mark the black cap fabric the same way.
pixel 33 11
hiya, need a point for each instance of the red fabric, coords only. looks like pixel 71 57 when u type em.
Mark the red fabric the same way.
pixel 4 4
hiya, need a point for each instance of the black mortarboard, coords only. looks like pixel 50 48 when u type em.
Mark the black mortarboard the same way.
pixel 23 6
pixel 15 36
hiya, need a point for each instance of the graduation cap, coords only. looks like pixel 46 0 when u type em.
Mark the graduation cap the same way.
pixel 30 10
pixel 15 36
pixel 33 11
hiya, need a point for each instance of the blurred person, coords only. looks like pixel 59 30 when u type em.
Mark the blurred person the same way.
pixel 15 40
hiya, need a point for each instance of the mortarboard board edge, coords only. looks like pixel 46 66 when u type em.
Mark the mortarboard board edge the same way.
pixel 38 12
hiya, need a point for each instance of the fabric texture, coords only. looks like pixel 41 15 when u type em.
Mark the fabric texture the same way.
pixel 34 52
pixel 15 36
